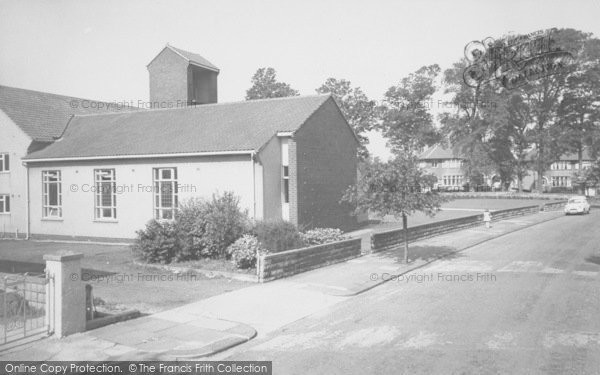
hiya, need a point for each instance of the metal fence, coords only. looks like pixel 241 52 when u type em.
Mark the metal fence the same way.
pixel 24 307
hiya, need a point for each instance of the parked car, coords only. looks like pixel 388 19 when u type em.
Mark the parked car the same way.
pixel 577 205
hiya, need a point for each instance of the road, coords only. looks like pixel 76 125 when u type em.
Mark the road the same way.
pixel 524 303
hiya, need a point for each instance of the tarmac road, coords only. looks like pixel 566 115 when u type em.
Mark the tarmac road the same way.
pixel 524 303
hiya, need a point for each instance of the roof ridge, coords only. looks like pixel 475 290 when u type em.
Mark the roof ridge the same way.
pixel 191 107
pixel 60 95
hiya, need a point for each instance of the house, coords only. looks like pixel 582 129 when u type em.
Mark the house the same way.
pixel 445 164
pixel 29 121
pixel 559 177
pixel 105 175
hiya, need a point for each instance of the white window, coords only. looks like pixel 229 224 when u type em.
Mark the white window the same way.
pixel 52 194
pixel 165 193
pixel 4 163
pixel 105 194
pixel 434 164
pixel 4 204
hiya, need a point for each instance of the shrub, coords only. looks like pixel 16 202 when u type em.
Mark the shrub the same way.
pixel 223 222
pixel 190 233
pixel 320 236
pixel 157 243
pixel 243 251
pixel 202 228
pixel 277 236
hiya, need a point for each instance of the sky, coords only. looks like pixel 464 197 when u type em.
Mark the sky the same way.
pixel 99 49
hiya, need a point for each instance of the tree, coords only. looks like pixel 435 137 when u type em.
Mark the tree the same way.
pixel 579 112
pixel 398 187
pixel 542 98
pixel 406 121
pixel 358 110
pixel 528 82
pixel 265 85
pixel 470 127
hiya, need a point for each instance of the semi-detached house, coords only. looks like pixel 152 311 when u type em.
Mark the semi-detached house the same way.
pixel 108 174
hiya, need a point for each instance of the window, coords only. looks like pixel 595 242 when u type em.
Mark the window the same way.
pixel 4 204
pixel 286 184
pixel 105 194
pixel 434 164
pixel 165 193
pixel 4 163
pixel 52 194
pixel 561 181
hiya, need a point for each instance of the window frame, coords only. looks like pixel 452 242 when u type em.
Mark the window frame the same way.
pixel 4 198
pixel 47 208
pixel 285 183
pixel 4 162
pixel 99 207
pixel 157 200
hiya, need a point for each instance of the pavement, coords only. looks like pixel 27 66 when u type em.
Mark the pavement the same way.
pixel 213 325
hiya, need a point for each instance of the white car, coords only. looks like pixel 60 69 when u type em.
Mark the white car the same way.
pixel 577 205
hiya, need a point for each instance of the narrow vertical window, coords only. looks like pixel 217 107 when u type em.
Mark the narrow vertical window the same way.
pixel 105 194
pixel 165 193
pixel 4 163
pixel 4 204
pixel 52 194
pixel 286 184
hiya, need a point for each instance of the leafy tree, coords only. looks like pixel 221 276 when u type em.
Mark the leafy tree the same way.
pixel 469 128
pixel 358 110
pixel 398 187
pixel 537 114
pixel 406 121
pixel 579 109
pixel 542 98
pixel 265 85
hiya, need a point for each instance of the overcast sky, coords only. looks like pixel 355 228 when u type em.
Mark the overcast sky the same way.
pixel 100 49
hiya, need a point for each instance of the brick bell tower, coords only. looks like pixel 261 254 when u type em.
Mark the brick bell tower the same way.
pixel 180 78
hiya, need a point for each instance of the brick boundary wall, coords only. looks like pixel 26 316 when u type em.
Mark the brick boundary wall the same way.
pixel 505 195
pixel 394 239
pixel 555 206
pixel 287 263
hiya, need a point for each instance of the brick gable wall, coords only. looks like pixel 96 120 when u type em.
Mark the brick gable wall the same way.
pixel 323 164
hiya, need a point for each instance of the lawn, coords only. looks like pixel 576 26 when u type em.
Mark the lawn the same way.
pixel 115 279
pixel 455 209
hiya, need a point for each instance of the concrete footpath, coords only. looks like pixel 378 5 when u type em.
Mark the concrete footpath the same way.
pixel 209 326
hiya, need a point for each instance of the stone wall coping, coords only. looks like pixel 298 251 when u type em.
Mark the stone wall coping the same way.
pixel 308 248
pixel 452 221
pixel 63 256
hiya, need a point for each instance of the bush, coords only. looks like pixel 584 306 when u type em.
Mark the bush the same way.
pixel 190 233
pixel 277 236
pixel 157 243
pixel 243 251
pixel 320 236
pixel 209 227
pixel 224 222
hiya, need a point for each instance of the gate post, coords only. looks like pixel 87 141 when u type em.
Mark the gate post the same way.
pixel 66 305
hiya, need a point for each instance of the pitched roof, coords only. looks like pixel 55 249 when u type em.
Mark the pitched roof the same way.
pixel 208 128
pixel 193 58
pixel 567 156
pixel 43 116
pixel 439 152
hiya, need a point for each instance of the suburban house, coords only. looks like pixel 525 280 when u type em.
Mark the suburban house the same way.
pixel 445 164
pixel 101 176
pixel 560 175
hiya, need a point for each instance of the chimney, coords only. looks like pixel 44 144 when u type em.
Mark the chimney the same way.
pixel 180 78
